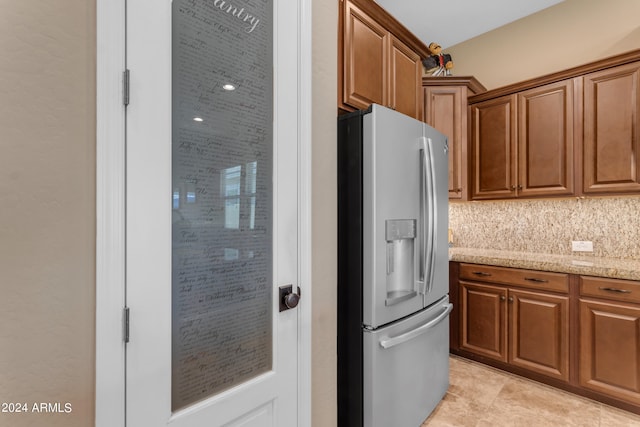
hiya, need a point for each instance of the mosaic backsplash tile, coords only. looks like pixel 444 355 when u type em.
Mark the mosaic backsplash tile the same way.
pixel 549 226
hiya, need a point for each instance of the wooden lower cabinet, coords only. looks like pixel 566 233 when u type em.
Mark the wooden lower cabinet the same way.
pixel 483 320
pixel 610 349
pixel 610 338
pixel 539 332
pixel 577 333
pixel 523 328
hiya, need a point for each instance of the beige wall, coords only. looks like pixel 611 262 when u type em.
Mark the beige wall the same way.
pixel 568 34
pixel 47 217
pixel 324 212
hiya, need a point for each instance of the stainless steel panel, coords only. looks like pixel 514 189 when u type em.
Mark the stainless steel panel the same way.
pixel 405 381
pixel 391 192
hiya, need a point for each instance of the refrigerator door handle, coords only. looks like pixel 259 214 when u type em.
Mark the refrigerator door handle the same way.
pixel 428 217
pixel 392 342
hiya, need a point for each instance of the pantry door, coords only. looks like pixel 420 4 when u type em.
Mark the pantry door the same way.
pixel 212 212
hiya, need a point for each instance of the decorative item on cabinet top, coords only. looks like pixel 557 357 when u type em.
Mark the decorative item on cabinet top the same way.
pixel 438 63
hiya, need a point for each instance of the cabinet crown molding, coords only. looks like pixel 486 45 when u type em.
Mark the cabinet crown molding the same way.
pixel 601 64
pixel 469 81
pixel 393 26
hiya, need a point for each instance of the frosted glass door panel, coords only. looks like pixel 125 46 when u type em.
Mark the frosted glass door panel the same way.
pixel 222 198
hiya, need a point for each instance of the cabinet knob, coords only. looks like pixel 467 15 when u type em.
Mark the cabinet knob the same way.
pixel 513 188
pixel 510 299
pixel 502 298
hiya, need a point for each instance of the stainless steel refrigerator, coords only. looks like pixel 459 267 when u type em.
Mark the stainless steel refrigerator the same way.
pixel 393 274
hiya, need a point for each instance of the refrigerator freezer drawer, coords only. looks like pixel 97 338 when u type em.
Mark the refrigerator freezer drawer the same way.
pixel 406 368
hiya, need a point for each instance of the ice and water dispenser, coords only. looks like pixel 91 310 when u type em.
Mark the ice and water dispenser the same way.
pixel 400 237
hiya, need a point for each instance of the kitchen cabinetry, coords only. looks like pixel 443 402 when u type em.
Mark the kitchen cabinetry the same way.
pixel 612 130
pixel 610 337
pixel 445 108
pixel 493 148
pixel 574 132
pixel 523 144
pixel 380 61
pixel 519 317
pixel 575 332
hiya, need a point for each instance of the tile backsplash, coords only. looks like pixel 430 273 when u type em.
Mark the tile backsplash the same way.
pixel 549 226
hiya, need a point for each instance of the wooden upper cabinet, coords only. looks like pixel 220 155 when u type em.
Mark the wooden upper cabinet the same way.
pixel 379 60
pixel 445 109
pixel 405 72
pixel 546 140
pixel 493 148
pixel 365 59
pixel 611 130
pixel 523 144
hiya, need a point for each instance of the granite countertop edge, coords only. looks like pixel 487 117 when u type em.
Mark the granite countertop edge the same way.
pixel 615 268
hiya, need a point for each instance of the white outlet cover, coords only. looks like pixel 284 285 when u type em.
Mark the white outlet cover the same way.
pixel 582 246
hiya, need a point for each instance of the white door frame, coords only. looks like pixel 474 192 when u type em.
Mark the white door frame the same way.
pixel 110 213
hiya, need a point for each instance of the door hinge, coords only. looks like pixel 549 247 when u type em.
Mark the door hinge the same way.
pixel 125 322
pixel 125 87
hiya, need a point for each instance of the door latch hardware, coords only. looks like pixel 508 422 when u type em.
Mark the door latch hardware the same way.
pixel 287 298
pixel 125 87
pixel 125 322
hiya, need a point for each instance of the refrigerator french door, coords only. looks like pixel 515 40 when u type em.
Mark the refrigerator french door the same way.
pixel 392 268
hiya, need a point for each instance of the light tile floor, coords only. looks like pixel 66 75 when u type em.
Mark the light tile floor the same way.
pixel 481 396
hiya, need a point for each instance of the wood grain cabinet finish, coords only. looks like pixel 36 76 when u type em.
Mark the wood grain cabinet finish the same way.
pixel 612 130
pixel 523 144
pixel 493 148
pixel 577 333
pixel 575 132
pixel 610 337
pixel 445 109
pixel 483 320
pixel 546 140
pixel 539 332
pixel 378 65
pixel 526 328
pixel 365 59
pixel 405 72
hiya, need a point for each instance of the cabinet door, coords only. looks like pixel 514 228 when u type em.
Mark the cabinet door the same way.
pixel 483 328
pixel 610 349
pixel 445 110
pixel 365 59
pixel 546 140
pixel 612 130
pixel 539 333
pixel 405 71
pixel 493 136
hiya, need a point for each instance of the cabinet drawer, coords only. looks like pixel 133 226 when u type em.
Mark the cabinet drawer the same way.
pixel 544 280
pixel 615 289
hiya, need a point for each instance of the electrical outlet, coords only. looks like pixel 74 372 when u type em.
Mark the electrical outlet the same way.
pixel 582 246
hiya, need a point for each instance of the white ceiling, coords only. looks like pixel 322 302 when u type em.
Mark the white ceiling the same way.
pixel 449 22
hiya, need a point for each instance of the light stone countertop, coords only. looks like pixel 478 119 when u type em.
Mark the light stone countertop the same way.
pixel 615 268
